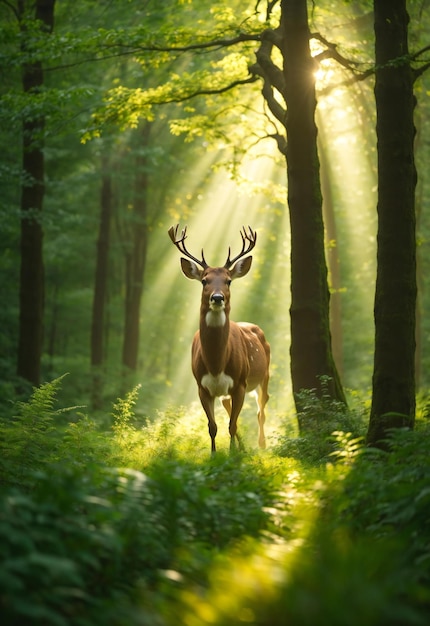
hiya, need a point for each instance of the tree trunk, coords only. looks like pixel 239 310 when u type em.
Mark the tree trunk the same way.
pixel 311 353
pixel 136 258
pixel 393 401
pixel 31 290
pixel 419 314
pixel 100 286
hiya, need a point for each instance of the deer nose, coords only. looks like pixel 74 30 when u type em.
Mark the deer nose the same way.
pixel 217 298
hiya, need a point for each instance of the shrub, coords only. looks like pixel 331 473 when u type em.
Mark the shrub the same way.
pixel 322 416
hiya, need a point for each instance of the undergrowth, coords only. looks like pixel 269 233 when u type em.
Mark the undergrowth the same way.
pixel 139 525
pixel 320 418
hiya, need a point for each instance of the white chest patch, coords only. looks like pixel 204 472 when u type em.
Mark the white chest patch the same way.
pixel 219 385
pixel 215 318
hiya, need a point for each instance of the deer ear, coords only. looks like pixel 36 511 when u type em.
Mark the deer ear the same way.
pixel 241 268
pixel 191 270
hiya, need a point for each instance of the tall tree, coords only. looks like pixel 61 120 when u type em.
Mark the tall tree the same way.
pixel 101 283
pixel 33 187
pixel 393 400
pixel 135 246
pixel 311 353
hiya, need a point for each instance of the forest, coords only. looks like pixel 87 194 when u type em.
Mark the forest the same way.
pixel 295 132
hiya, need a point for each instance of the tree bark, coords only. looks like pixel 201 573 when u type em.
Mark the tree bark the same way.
pixel 419 212
pixel 100 285
pixel 393 400
pixel 311 353
pixel 31 291
pixel 135 258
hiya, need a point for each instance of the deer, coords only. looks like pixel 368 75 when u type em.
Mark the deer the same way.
pixel 228 359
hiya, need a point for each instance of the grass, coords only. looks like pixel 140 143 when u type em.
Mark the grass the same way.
pixel 138 524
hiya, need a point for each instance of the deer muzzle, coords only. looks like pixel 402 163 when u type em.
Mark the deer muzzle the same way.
pixel 217 300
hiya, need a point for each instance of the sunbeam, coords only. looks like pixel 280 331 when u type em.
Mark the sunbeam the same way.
pixel 215 218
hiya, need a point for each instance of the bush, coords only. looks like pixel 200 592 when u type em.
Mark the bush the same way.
pixel 321 417
pixel 387 494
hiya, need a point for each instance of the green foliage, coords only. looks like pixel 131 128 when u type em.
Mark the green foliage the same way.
pixel 320 419
pixel 162 539
pixel 348 448
pixel 388 495
pixel 26 441
pixel 358 556
pixel 82 443
pixel 122 414
pixel 72 544
pixel 83 534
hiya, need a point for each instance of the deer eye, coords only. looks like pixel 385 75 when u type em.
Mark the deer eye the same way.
pixel 204 282
pixel 228 282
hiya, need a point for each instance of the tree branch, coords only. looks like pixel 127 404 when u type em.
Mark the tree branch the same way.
pixel 270 5
pixel 331 52
pixel 207 92
pixel 420 52
pixel 280 141
pixel 419 71
pixel 275 108
pixel 271 74
pixel 356 78
pixel 126 49
pixel 269 70
pixel 215 43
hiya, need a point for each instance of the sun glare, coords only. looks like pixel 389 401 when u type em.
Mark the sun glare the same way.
pixel 343 131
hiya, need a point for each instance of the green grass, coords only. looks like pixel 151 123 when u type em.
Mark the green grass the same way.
pixel 139 524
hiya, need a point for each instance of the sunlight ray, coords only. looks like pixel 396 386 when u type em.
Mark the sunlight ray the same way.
pixel 221 208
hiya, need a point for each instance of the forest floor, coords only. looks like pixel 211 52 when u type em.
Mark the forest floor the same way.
pixel 137 524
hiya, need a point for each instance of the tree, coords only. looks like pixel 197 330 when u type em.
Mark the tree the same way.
pixel 311 352
pixel 31 292
pixel 393 399
pixel 101 282
pixel 135 244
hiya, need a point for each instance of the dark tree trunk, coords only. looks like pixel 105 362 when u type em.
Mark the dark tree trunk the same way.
pixel 419 315
pixel 31 291
pixel 100 286
pixel 136 257
pixel 393 401
pixel 311 353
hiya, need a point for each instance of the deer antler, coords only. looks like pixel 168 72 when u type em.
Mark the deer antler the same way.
pixel 179 243
pixel 251 237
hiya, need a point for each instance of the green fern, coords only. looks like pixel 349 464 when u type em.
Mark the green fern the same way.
pixel 123 413
pixel 28 441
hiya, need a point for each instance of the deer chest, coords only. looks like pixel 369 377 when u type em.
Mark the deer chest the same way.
pixel 219 385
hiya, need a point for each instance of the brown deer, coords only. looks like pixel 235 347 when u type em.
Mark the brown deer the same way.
pixel 228 358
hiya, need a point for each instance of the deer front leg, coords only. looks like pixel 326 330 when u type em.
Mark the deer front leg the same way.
pixel 208 404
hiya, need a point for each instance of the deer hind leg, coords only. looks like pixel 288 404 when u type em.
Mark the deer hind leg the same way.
pixel 236 406
pixel 208 404
pixel 262 399
pixel 226 402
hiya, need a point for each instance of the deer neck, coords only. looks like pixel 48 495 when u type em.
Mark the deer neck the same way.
pixel 214 333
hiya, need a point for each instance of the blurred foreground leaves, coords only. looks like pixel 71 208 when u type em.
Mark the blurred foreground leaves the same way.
pixel 137 524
